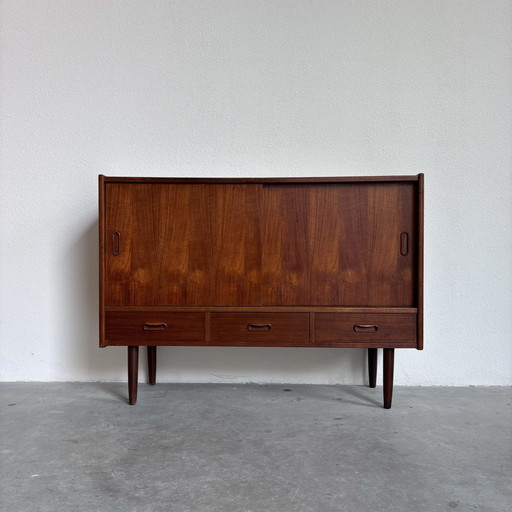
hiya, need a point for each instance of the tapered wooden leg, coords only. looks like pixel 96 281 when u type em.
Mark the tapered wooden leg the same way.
pixel 372 366
pixel 133 374
pixel 152 365
pixel 389 362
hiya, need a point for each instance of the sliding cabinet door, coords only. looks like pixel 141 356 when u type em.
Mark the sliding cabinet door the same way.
pixel 339 244
pixel 182 244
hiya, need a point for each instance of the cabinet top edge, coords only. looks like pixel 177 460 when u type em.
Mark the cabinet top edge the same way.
pixel 323 179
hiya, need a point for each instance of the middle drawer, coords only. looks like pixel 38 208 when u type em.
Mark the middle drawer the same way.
pixel 259 328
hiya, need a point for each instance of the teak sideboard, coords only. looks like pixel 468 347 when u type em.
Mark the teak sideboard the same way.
pixel 263 262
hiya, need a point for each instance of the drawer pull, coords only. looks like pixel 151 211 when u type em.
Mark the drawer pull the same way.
pixel 366 328
pixel 155 327
pixel 259 327
pixel 116 243
pixel 404 244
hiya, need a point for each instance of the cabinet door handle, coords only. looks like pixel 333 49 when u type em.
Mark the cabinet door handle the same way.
pixel 155 327
pixel 366 328
pixel 404 243
pixel 116 243
pixel 259 327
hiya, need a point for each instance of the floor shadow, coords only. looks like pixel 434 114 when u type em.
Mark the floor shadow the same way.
pixel 361 397
pixel 116 390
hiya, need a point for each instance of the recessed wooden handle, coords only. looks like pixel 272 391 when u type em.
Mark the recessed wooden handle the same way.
pixel 366 328
pixel 116 243
pixel 155 327
pixel 404 244
pixel 259 327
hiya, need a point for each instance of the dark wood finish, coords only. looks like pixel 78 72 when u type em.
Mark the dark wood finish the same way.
pixel 366 330
pixel 303 262
pixel 419 255
pixel 312 318
pixel 143 328
pixel 389 364
pixel 260 309
pixel 224 181
pixel 102 264
pixel 274 329
pixel 183 245
pixel 372 367
pixel 152 365
pixel 365 267
pixel 133 374
pixel 286 260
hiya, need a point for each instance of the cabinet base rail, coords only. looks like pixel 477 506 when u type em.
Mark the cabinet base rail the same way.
pixel 387 378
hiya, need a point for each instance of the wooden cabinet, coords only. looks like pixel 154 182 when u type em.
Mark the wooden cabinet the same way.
pixel 306 262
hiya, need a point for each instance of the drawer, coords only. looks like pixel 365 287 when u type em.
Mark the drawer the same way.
pixel 153 327
pixel 259 328
pixel 361 329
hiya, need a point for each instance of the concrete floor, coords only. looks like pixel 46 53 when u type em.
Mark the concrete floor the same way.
pixel 251 448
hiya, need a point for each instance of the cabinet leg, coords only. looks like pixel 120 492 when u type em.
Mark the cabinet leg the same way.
pixel 133 374
pixel 372 366
pixel 389 362
pixel 152 365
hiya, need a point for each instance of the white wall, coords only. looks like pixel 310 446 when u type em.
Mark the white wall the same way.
pixel 254 88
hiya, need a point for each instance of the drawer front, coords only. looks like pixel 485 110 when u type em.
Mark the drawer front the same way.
pixel 147 328
pixel 364 329
pixel 259 329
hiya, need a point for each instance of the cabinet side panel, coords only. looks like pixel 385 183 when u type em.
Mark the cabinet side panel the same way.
pixel 285 245
pixel 101 259
pixel 420 249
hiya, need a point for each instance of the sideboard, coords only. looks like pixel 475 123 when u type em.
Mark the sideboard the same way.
pixel 261 262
